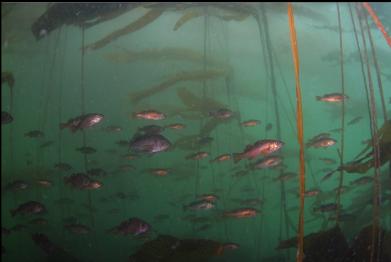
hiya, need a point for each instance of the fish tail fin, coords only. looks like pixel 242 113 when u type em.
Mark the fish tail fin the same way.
pixel 318 98
pixel 237 157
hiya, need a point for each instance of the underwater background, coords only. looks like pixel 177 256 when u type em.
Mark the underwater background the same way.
pixel 182 64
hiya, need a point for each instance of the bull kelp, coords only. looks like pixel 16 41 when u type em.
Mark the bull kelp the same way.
pixel 162 132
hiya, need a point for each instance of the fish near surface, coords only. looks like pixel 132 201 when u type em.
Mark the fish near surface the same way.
pixel 199 205
pixel 149 115
pixel 261 147
pixel 241 213
pixel 323 142
pixel 6 118
pixel 30 207
pixel 82 122
pixel 267 162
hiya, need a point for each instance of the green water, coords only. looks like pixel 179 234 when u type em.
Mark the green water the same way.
pixel 51 74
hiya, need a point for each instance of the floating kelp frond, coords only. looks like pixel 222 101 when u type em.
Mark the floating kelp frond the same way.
pixel 200 75
pixel 146 19
pixel 204 105
pixel 237 16
pixel 186 17
pixel 163 54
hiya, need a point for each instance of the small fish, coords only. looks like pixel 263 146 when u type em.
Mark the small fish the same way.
pixel 82 181
pixel 63 166
pixel 129 156
pixel 326 207
pixel 328 160
pixel 267 162
pixel 261 147
pixel 355 120
pixel 6 118
pixel 149 115
pixel 176 126
pixel 150 144
pixel 46 144
pixel 285 176
pixel 312 192
pixel 333 97
pixel 362 181
pixel 322 142
pixel 197 156
pixel 132 226
pixel 251 123
pixel 112 129
pixel 16 185
pixel 86 150
pixel 82 122
pixel 159 171
pixel 44 182
pixel 199 205
pixel 122 143
pixel 241 213
pixel 221 113
pixel 208 197
pixel 77 228
pixel 34 134
pixel 220 158
pixel 30 207
pixel 231 246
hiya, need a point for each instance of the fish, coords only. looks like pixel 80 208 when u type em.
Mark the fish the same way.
pixel 133 226
pixel 251 123
pixel 82 181
pixel 322 142
pixel 44 182
pixel 149 144
pixel 361 181
pixel 112 129
pixel 149 115
pixel 267 162
pixel 175 126
pixel 34 134
pixel 326 207
pixel 333 97
pixel 328 160
pixel 197 156
pixel 199 205
pixel 6 118
pixel 231 246
pixel 241 213
pixel 312 192
pixel 220 158
pixel 77 228
pixel 159 171
pixel 285 176
pixel 208 197
pixel 82 122
pixel 17 185
pixel 63 166
pixel 221 113
pixel 46 144
pixel 129 156
pixel 86 150
pixel 260 147
pixel 30 207
pixel 354 120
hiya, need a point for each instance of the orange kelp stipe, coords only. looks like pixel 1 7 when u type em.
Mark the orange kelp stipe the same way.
pixel 299 122
pixel 377 22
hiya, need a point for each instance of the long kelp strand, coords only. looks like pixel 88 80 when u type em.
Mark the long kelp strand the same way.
pixel 299 122
pixel 377 68
pixel 376 154
pixel 376 19
pixel 342 116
